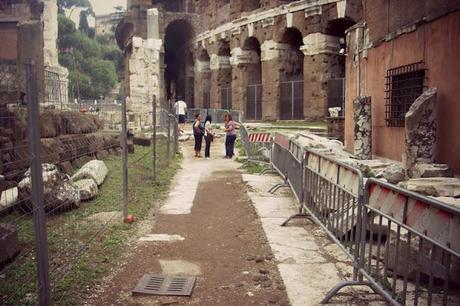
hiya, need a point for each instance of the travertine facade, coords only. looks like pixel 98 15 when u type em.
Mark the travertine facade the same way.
pixel 270 59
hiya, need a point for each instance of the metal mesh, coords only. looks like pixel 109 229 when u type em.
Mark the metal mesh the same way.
pixel 291 100
pixel 254 102
pixel 403 86
pixel 226 97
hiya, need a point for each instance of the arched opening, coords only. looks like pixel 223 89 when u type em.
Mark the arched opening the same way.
pixel 291 78
pixel 253 109
pixel 224 75
pixel 336 82
pixel 176 59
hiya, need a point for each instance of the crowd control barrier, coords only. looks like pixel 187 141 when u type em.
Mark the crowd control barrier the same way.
pixel 402 245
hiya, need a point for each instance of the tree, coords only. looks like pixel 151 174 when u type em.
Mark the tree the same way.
pixel 84 26
pixel 95 65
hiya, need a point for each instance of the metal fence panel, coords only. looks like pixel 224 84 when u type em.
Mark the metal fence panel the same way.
pixel 254 102
pixel 413 250
pixel 291 100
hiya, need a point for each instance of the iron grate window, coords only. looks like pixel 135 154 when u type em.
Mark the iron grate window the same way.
pixel 403 86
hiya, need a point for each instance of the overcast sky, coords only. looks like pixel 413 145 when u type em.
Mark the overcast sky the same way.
pixel 106 6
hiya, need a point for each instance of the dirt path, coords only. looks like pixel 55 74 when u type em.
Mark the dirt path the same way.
pixel 223 244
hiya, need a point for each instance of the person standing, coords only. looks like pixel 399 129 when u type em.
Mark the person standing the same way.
pixel 198 134
pixel 230 131
pixel 208 136
pixel 181 110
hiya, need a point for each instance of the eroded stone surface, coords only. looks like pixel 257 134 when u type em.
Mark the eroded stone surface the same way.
pixel 95 169
pixel 88 189
pixel 59 192
pixel 421 129
pixel 438 187
pixel 363 127
pixel 431 170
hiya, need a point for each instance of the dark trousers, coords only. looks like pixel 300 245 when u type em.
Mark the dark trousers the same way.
pixel 230 145
pixel 207 150
pixel 198 142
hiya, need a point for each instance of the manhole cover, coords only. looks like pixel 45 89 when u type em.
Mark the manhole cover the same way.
pixel 165 285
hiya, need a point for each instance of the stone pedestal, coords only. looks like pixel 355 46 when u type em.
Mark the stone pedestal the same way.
pixel 221 76
pixel 336 127
pixel 272 58
pixel 246 70
pixel 363 127
pixel 202 83
pixel 421 131
pixel 144 81
pixel 321 63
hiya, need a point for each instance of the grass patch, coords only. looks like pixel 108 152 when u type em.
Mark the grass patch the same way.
pixel 82 252
pixel 254 168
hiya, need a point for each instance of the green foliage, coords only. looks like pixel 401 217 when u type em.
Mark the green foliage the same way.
pixel 84 25
pixel 95 64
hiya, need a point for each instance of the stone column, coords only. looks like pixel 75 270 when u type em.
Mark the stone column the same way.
pixel 153 26
pixel 243 62
pixel 202 81
pixel 272 67
pixel 421 130
pixel 363 127
pixel 321 62
pixel 59 74
pixel 144 80
pixel 221 75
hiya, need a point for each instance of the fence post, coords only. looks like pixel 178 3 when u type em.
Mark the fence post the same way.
pixel 41 241
pixel 169 139
pixel 124 143
pixel 154 137
pixel 176 136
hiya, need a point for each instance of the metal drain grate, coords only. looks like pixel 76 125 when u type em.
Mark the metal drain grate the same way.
pixel 165 285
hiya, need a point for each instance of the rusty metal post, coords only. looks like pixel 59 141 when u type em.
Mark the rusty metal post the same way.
pixel 154 137
pixel 44 288
pixel 168 145
pixel 124 144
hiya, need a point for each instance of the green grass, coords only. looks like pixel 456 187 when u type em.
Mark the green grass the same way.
pixel 88 250
pixel 254 168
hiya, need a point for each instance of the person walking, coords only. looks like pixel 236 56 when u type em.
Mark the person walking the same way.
pixel 198 130
pixel 230 131
pixel 181 110
pixel 208 136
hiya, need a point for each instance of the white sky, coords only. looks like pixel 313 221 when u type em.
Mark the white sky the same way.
pixel 106 6
pixel 100 7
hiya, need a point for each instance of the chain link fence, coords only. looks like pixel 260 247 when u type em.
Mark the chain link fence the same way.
pixel 66 185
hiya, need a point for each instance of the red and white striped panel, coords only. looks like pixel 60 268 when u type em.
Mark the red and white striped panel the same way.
pixel 438 224
pixel 282 140
pixel 260 137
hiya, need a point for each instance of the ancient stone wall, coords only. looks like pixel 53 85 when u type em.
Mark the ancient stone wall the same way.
pixel 69 139
pixel 315 59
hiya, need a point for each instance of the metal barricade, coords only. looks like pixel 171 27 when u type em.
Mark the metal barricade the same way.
pixel 333 194
pixel 412 250
pixel 402 245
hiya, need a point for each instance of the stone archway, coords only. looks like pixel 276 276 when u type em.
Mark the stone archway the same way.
pixel 177 57
pixel 252 77
pixel 291 93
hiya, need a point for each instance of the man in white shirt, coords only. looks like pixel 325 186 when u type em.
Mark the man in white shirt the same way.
pixel 181 110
